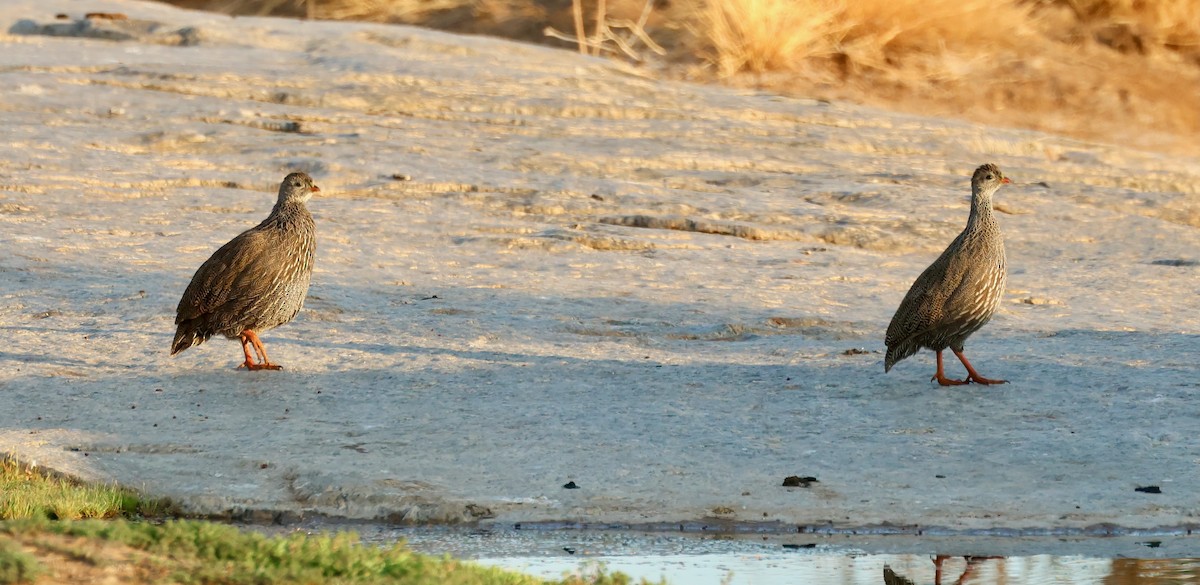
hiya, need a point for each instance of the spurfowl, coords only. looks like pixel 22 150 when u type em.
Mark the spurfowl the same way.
pixel 959 292
pixel 255 282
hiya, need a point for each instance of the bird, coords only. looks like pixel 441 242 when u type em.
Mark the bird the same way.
pixel 957 294
pixel 255 282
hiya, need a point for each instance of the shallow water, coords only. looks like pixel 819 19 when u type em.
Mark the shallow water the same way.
pixel 773 560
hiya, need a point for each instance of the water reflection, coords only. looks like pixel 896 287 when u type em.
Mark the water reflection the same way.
pixel 768 560
pixel 890 577
pixel 1048 569
pixel 778 569
pixel 1153 571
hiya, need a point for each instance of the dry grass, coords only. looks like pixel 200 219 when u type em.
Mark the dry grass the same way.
pixel 880 34
pixel 1095 69
pixel 385 10
pixel 770 35
pixel 1123 71
pixel 766 35
pixel 1170 24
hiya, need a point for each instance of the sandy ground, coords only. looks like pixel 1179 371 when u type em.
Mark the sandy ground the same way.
pixel 501 324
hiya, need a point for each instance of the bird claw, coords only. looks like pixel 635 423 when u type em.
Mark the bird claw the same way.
pixel 985 381
pixel 944 381
pixel 969 380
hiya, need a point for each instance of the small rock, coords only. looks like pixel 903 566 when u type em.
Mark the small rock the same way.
pixel 570 485
pixel 797 481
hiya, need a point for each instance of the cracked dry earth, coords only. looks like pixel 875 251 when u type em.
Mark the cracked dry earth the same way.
pixel 535 268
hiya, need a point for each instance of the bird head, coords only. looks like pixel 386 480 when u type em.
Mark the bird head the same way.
pixel 297 187
pixel 988 178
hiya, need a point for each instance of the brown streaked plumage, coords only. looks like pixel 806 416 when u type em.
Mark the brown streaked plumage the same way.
pixel 255 282
pixel 959 292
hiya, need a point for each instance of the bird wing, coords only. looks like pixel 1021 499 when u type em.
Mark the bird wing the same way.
pixel 227 276
pixel 924 307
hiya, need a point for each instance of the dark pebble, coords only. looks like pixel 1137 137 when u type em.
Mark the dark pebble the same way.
pixel 797 481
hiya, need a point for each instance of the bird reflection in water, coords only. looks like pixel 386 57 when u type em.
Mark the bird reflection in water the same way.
pixel 890 577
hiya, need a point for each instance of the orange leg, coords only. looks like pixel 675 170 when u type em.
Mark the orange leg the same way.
pixel 940 376
pixel 937 568
pixel 972 375
pixel 259 350
pixel 970 568
pixel 249 363
pixel 264 361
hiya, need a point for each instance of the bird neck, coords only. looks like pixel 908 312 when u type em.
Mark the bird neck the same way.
pixel 981 208
pixel 288 211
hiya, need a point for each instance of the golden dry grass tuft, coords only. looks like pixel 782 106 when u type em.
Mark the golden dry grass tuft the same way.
pixel 882 34
pixel 766 35
pixel 386 10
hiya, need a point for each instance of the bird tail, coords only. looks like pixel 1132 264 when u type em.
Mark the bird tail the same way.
pixel 186 335
pixel 899 351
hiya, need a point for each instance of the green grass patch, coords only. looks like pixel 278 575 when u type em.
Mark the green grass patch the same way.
pixel 203 553
pixel 16 566
pixel 26 493
pixel 83 523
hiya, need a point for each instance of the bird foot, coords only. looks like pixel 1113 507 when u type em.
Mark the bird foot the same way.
pixel 985 381
pixel 944 381
pixel 254 367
